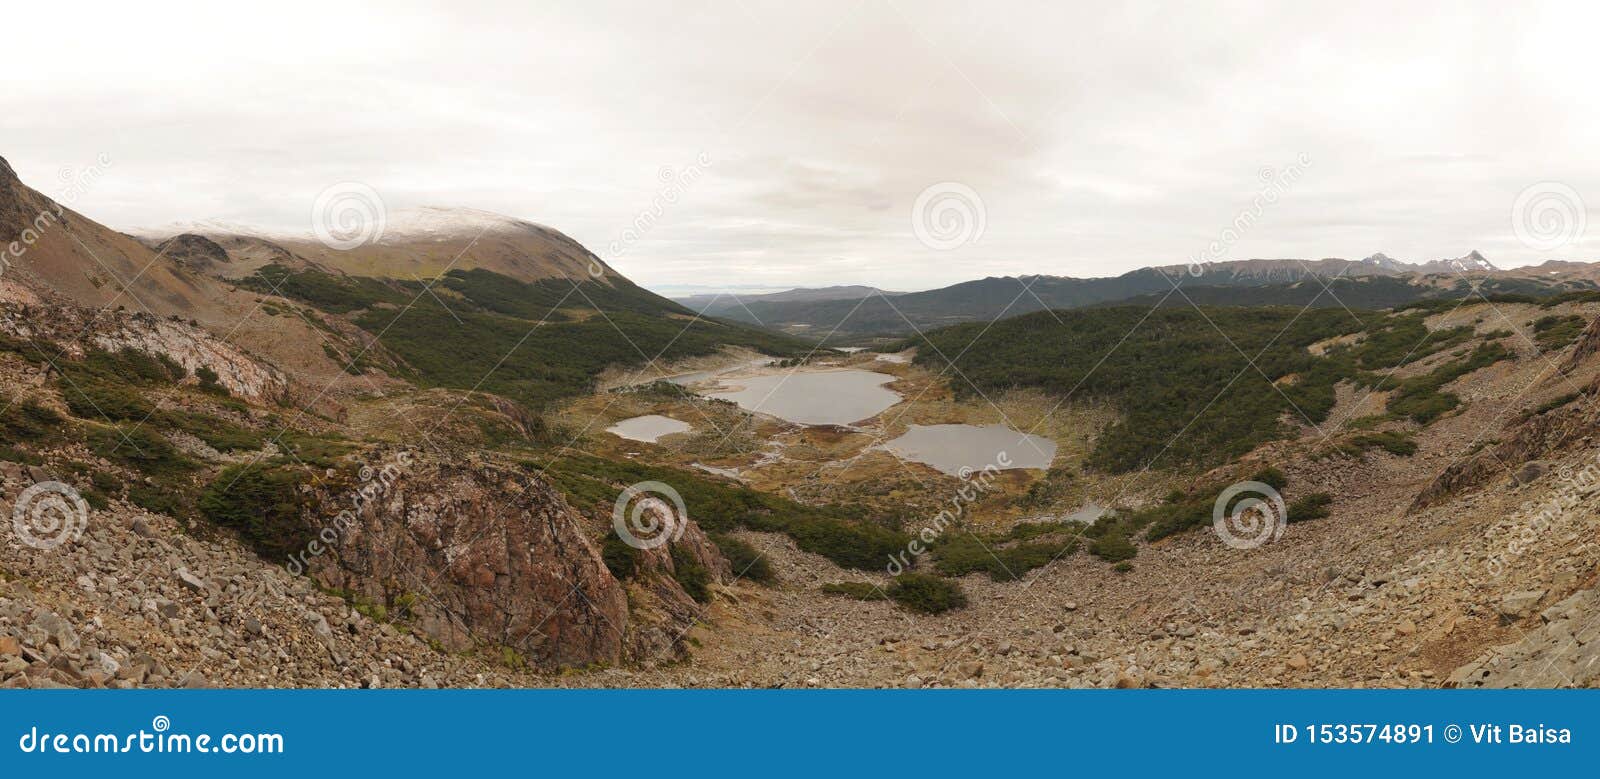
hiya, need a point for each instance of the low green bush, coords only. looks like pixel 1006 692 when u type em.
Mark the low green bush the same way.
pixel 27 421
pixel 1393 442
pixel 209 381
pixel 693 577
pixel 926 594
pixel 1113 547
pixel 960 553
pixel 264 503
pixel 1313 506
pixel 1557 332
pixel 620 557
pixel 141 449
pixel 746 560
pixel 219 434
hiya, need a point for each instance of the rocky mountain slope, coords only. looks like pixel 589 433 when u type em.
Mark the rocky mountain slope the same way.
pixel 194 508
pixel 420 559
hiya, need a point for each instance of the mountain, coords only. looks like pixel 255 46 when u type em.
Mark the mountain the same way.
pixel 724 303
pixel 55 249
pixel 1384 262
pixel 455 298
pixel 52 255
pixel 1472 262
pixel 1376 281
pixel 173 398
pixel 420 243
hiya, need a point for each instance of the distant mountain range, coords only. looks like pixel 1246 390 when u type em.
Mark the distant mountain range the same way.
pixel 720 304
pixel 1378 281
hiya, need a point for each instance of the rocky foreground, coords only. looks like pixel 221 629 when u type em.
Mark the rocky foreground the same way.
pixel 137 602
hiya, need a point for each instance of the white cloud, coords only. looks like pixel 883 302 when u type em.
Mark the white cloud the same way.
pixel 1100 138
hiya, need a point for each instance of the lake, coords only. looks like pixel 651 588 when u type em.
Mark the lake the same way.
pixel 813 397
pixel 647 428
pixel 951 448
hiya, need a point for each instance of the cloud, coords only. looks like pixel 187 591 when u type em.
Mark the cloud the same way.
pixel 1100 138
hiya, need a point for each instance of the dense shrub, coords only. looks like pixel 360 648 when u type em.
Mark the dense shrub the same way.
pixel 926 594
pixel 209 381
pixel 693 577
pixel 620 557
pixel 106 385
pixel 264 503
pixel 27 421
pixel 1391 441
pixel 1421 399
pixel 219 434
pixel 1113 547
pixel 1313 506
pixel 838 533
pixel 142 449
pixel 747 561
pixel 159 498
pixel 1556 332
pixel 960 553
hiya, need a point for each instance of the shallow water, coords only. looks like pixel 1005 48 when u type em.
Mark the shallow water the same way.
pixel 647 428
pixel 813 397
pixel 1087 515
pixel 688 379
pixel 952 448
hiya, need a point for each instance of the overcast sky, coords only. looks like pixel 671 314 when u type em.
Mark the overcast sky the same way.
pixel 1097 139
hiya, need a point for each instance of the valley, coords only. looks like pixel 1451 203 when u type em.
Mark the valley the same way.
pixel 419 464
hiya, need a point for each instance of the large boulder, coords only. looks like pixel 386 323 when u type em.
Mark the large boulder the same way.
pixel 480 555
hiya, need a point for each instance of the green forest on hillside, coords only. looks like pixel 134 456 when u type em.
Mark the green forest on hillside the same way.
pixel 531 342
pixel 1183 378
